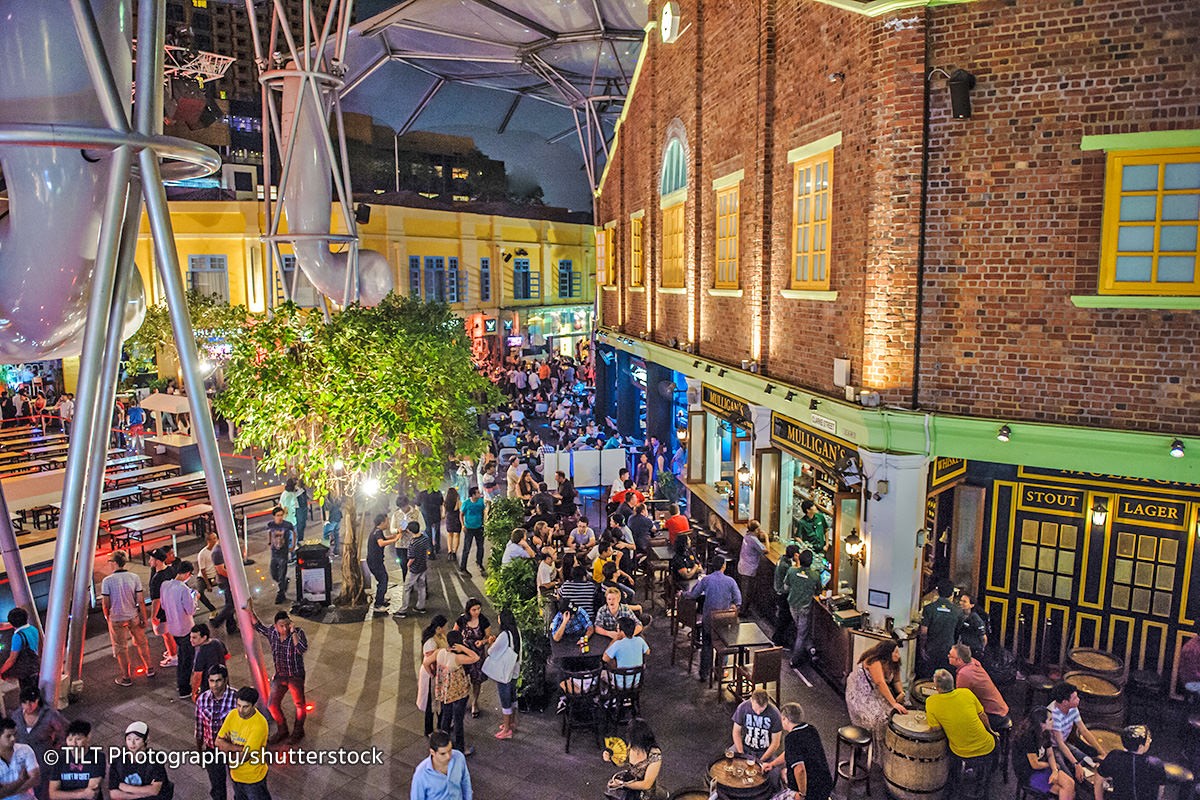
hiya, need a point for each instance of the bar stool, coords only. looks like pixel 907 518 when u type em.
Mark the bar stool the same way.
pixel 1145 686
pixel 1179 781
pixel 1003 726
pixel 857 768
pixel 1037 691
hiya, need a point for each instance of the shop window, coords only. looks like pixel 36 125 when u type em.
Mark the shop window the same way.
pixel 304 294
pixel 485 280
pixel 1144 573
pixel 1151 222
pixel 637 275
pixel 460 173
pixel 673 247
pixel 525 281
pixel 435 279
pixel 414 276
pixel 456 287
pixel 1047 559
pixel 812 190
pixel 606 271
pixel 727 237
pixel 209 275
pixel 569 281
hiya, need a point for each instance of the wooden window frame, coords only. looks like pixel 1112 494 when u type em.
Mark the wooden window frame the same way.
pixel 674 247
pixel 637 253
pixel 1112 224
pixel 606 271
pixel 809 229
pixel 726 275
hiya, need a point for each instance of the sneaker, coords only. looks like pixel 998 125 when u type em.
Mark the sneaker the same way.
pixel 169 661
pixel 466 573
pixel 123 682
pixel 185 695
pixel 380 611
pixel 420 611
pixel 562 705
pixel 400 615
pixel 150 673
pixel 482 572
pixel 280 599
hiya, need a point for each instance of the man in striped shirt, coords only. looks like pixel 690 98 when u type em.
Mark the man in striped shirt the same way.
pixel 212 706
pixel 580 591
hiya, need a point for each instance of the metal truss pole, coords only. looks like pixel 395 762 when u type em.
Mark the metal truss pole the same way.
pixel 14 567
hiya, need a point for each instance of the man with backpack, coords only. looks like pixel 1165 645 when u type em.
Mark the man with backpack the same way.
pixel 24 656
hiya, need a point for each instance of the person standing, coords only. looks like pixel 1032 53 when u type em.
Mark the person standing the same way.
pixel 873 690
pixel 430 502
pixel 66 412
pixel 812 527
pixel 803 581
pixel 785 629
pixel 432 638
pixel 134 774
pixel 451 686
pixel 418 570
pixel 228 614
pixel 754 547
pixel 206 573
pixel 720 593
pixel 506 650
pixel 288 645
pixel 125 610
pixel 377 540
pixel 24 656
pixel 280 533
pixel 806 769
pixel 212 707
pixel 209 653
pixel 79 772
pixel 406 511
pixel 452 508
pixel 333 524
pixel 939 625
pixel 178 604
pixel 289 501
pixel 244 734
pixel 160 573
pixel 19 771
pixel 443 774
pixel 301 516
pixel 972 631
pixel 42 728
pixel 472 517
pixel 135 418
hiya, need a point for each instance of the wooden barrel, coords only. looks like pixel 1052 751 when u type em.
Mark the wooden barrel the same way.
pixel 922 691
pixel 691 794
pixel 1109 738
pixel 735 779
pixel 1097 662
pixel 1101 702
pixel 915 760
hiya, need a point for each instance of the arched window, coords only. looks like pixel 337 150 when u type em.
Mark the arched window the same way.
pixel 674 169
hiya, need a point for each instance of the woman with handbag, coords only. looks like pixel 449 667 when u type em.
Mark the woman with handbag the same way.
pixel 432 638
pixel 451 686
pixel 503 665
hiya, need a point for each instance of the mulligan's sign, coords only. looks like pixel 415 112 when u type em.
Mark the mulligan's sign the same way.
pixel 723 405
pixel 809 443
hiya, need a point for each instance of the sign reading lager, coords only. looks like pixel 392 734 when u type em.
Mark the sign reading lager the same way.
pixel 723 405
pixel 809 443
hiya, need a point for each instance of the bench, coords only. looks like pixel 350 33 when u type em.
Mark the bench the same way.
pixel 137 530
pixel 137 476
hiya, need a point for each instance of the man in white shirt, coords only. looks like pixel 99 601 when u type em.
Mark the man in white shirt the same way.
pixel 206 571
pixel 66 411
pixel 19 772
pixel 619 483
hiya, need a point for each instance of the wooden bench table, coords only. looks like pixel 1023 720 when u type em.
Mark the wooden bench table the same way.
pixel 139 476
pixel 138 529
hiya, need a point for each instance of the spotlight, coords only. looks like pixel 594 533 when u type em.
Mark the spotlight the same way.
pixel 1005 433
pixel 370 486
pixel 1177 448
pixel 813 403
pixel 790 395
pixel 708 368
pixel 721 373
pixel 837 77
pixel 339 465
pixel 770 388
pixel 961 83
pixel 695 364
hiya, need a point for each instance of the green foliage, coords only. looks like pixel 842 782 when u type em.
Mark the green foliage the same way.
pixel 387 393
pixel 213 320
pixel 514 586
pixel 668 488
pixel 504 514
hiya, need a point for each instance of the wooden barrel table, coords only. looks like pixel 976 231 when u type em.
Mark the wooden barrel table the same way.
pixel 1097 662
pixel 1101 702
pixel 1109 738
pixel 738 779
pixel 691 794
pixel 916 762
pixel 922 691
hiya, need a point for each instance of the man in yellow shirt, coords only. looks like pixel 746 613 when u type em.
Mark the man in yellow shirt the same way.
pixel 244 733
pixel 960 714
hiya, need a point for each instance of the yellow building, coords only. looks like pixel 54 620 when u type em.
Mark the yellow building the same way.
pixel 535 277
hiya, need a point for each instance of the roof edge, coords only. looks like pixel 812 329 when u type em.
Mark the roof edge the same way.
pixel 637 71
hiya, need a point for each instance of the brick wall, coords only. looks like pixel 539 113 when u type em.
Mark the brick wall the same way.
pixel 1015 213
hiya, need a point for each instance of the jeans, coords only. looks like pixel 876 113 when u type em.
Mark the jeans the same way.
pixel 508 696
pixel 801 617
pixel 201 587
pixel 279 570
pixel 472 535
pixel 706 649
pixel 784 635
pixel 433 524
pixel 251 791
pixel 218 779
pixel 279 685
pixel 415 580
pixel 379 572
pixel 451 721
pixel 332 532
pixel 402 556
pixel 228 614
pixel 183 671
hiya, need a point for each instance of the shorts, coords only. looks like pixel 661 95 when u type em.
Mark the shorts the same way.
pixel 1039 780
pixel 137 430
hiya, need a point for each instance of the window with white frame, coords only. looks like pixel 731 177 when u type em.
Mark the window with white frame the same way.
pixel 209 275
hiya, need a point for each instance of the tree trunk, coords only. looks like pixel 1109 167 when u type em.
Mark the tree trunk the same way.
pixel 353 593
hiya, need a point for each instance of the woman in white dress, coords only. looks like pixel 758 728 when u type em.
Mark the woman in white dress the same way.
pixel 873 691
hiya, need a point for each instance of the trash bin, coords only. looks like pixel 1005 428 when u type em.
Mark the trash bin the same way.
pixel 314 574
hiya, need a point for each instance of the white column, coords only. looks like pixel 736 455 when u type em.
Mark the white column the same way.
pixel 889 529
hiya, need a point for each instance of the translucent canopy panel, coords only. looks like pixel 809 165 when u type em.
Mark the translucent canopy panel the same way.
pixel 558 70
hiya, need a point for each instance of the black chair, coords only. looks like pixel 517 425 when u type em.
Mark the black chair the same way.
pixel 623 692
pixel 685 623
pixel 583 712
pixel 1003 727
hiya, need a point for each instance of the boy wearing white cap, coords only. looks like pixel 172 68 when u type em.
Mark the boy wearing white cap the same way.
pixel 130 775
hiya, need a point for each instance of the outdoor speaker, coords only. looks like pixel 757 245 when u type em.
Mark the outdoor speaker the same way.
pixel 961 83
pixel 362 213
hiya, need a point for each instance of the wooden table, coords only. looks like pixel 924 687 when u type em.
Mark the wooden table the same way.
pixel 139 528
pixel 737 773
pixel 7 457
pixel 26 440
pixel 49 449
pixel 242 502
pixel 135 476
pixel 18 433
pixel 23 467
pixel 742 637
pixel 117 516
pixel 152 489
pixel 662 553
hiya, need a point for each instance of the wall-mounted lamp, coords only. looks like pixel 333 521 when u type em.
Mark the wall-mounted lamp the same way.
pixel 708 368
pixel 837 77
pixel 855 548
pixel 1099 512
pixel 1004 434
pixel 681 434
pixel 813 404
pixel 961 83
pixel 1177 448
pixel 720 373
pixel 695 364
pixel 744 474
pixel 790 395
pixel 770 388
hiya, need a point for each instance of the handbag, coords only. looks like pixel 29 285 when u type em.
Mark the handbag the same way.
pixel 501 663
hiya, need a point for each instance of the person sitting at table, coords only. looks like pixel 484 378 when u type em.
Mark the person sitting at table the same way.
pixel 969 734
pixel 570 623
pixel 970 674
pixel 685 567
pixel 720 593
pixel 758 730
pixel 1033 760
pixel 1064 714
pixel 1133 774
pixel 608 617
pixel 583 538
pixel 638 781
pixel 628 650
pixel 605 553
pixel 547 575
pixel 542 501
pixel 806 767
pixel 610 581
pixel 642 528
pixel 675 523
pixel 580 589
pixel 566 495
pixel 517 546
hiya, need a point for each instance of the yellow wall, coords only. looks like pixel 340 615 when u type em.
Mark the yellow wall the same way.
pixel 232 228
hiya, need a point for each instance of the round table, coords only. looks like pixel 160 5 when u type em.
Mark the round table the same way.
pixel 738 779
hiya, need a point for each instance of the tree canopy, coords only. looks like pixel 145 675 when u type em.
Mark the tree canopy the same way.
pixel 214 323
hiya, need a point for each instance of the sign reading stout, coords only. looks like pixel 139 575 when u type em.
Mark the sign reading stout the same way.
pixel 1046 498
pixel 809 443
pixel 723 405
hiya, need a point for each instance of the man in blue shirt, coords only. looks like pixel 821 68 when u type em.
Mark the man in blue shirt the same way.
pixel 472 512
pixel 443 775
pixel 720 593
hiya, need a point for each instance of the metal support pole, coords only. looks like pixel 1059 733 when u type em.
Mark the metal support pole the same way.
pixel 202 425
pixel 18 580
pixel 101 423
pixel 69 529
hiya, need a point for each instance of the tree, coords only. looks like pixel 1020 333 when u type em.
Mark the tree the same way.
pixel 214 323
pixel 376 398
